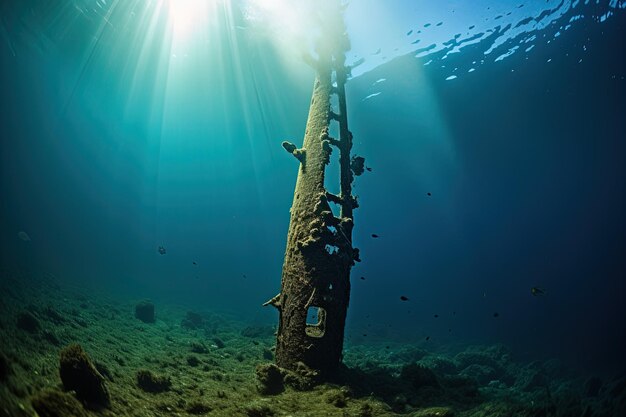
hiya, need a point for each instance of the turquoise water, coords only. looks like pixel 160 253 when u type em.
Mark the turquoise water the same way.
pixel 132 125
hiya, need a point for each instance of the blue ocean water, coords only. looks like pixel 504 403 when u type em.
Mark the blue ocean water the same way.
pixel 494 132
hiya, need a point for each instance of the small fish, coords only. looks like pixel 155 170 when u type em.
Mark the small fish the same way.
pixel 364 334
pixel 244 276
pixel 255 342
pixel 537 291
pixel 162 250
pixel 428 194
pixel 195 263
pixel 369 169
pixel 374 235
pixel 23 236
pixel 436 315
pixel 427 337
pixel 496 314
pixel 409 32
pixel 363 278
pixel 377 52
pixel 404 298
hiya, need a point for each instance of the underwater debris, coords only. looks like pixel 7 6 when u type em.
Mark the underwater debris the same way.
pixel 274 301
pixel 23 236
pixel 28 322
pixel 79 374
pixel 357 165
pixel 54 403
pixel 162 250
pixel 270 378
pixel 299 154
pixel 289 147
pixel 404 298
pixel 356 255
pixel 327 151
pixel 537 291
pixel 144 311
pixel 150 382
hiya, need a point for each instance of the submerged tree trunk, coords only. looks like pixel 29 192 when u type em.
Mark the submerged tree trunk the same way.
pixel 319 254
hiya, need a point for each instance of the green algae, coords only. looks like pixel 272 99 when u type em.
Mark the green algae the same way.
pixel 223 380
pixel 53 403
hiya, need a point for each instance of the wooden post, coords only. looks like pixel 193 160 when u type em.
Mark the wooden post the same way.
pixel 319 254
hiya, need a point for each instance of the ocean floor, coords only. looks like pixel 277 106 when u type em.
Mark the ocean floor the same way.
pixel 65 351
